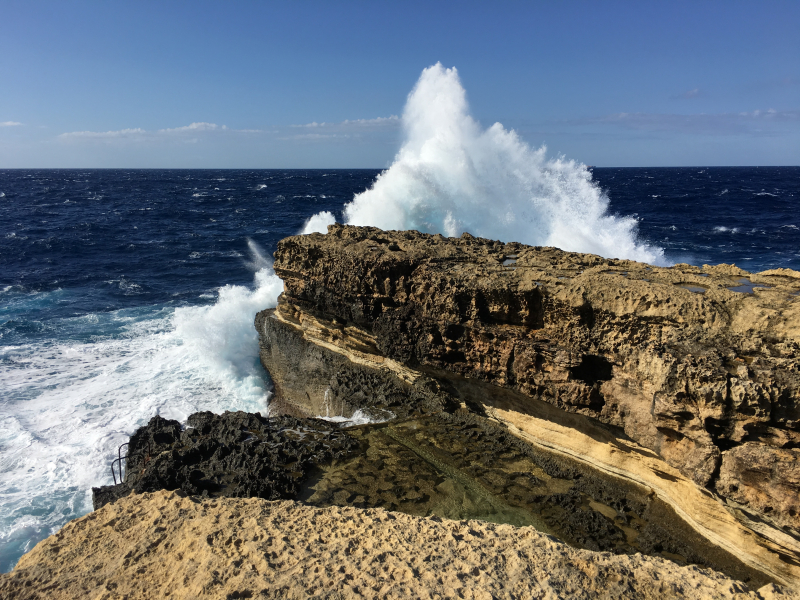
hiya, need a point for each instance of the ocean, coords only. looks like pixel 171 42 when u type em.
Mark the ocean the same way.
pixel 130 293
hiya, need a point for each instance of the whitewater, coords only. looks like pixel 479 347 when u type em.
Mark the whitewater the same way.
pixel 452 176
pixel 69 403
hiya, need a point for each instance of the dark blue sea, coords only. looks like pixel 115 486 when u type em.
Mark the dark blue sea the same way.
pixel 130 293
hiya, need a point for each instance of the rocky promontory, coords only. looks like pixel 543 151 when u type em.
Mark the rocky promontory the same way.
pixel 684 381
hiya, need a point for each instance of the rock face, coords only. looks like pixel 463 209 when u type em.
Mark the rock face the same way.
pixel 697 368
pixel 168 545
pixel 457 465
pixel 235 454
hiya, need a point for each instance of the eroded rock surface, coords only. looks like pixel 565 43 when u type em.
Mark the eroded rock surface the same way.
pixel 168 545
pixel 700 367
pixel 457 465
pixel 235 454
pixel 690 375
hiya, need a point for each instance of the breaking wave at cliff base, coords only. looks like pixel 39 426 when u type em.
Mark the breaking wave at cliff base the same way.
pixel 452 176
pixel 70 402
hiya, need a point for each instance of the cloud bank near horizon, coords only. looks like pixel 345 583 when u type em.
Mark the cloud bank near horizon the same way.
pixel 314 131
pixel 370 142
pixel 139 133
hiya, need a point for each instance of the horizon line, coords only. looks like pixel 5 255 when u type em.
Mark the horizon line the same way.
pixel 359 168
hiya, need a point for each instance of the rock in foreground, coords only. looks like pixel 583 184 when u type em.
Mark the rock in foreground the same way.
pixel 456 466
pixel 168 545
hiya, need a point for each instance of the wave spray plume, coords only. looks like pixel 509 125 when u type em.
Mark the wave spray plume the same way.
pixel 452 176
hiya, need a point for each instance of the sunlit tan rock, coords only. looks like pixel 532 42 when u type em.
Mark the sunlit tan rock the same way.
pixel 167 545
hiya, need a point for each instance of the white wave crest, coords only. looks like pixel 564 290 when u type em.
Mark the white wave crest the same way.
pixel 319 223
pixel 452 176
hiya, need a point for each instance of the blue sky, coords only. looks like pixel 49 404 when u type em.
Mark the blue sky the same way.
pixel 321 84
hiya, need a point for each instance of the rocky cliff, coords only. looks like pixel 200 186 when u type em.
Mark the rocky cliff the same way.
pixel 683 380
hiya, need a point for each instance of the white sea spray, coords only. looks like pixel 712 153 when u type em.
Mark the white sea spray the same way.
pixel 451 176
pixel 318 223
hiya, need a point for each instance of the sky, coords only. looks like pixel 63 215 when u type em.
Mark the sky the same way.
pixel 307 84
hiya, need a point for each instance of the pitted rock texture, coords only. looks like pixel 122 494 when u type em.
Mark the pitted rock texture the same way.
pixel 678 358
pixel 763 479
pixel 168 545
pixel 457 466
pixel 235 454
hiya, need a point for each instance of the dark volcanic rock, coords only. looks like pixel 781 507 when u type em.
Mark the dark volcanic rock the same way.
pixel 235 454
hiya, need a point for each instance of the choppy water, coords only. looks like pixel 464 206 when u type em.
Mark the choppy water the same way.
pixel 746 216
pixel 127 293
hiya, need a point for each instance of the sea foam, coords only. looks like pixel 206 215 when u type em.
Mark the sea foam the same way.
pixel 452 176
pixel 70 401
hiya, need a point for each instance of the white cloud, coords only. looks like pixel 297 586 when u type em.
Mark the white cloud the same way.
pixel 317 136
pixel 194 127
pixel 390 121
pixel 688 95
pixel 719 123
pixel 142 134
pixel 349 128
pixel 10 124
pixel 104 135
pixel 197 132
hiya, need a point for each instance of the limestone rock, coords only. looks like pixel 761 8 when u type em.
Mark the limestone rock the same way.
pixel 456 465
pixel 660 376
pixel 763 478
pixel 689 362
pixel 169 545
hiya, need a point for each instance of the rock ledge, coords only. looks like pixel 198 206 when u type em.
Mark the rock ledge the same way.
pixel 169 545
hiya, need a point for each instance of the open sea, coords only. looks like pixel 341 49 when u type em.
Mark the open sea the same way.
pixel 130 293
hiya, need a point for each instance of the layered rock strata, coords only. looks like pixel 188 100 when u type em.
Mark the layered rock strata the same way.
pixel 169 545
pixel 682 380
